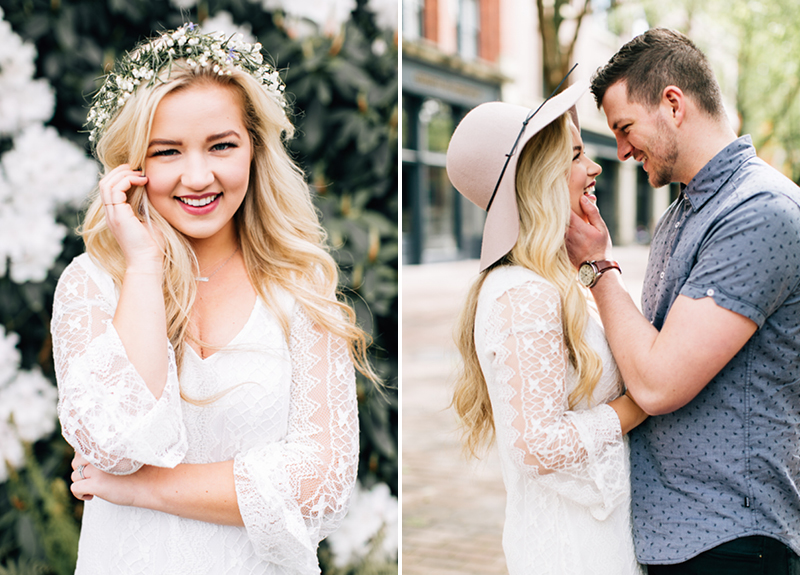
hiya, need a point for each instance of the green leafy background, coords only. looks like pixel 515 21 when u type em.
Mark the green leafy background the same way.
pixel 343 86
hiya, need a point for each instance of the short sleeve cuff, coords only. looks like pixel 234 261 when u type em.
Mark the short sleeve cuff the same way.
pixel 725 301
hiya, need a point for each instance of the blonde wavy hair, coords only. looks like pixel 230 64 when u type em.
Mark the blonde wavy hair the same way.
pixel 281 239
pixel 543 201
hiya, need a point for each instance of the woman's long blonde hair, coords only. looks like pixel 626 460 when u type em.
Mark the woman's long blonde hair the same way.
pixel 543 201
pixel 281 239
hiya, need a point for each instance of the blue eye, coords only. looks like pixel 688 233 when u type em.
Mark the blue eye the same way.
pixel 223 146
pixel 170 152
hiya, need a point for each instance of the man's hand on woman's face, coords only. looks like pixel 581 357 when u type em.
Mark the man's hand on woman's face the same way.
pixel 588 241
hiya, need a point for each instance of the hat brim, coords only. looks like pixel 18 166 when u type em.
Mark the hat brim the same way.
pixel 477 153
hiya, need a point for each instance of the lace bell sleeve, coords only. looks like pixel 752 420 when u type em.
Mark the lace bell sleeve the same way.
pixel 293 493
pixel 579 454
pixel 107 413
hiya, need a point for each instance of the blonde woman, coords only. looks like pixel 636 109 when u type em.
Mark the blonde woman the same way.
pixel 537 374
pixel 205 366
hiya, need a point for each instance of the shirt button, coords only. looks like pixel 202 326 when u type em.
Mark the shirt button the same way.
pixel 709 292
pixel 662 275
pixel 678 225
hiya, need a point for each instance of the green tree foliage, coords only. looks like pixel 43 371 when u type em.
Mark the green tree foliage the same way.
pixel 556 55
pixel 343 86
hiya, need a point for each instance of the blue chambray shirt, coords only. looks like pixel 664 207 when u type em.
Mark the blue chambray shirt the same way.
pixel 727 464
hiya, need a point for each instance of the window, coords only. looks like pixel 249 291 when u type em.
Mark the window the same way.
pixel 469 21
pixel 413 19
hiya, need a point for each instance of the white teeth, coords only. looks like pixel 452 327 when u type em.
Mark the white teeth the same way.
pixel 199 203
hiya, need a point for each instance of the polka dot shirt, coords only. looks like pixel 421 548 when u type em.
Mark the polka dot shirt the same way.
pixel 727 464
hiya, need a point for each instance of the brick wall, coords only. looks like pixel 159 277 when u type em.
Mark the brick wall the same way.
pixel 489 41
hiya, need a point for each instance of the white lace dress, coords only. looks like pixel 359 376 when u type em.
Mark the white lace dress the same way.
pixel 288 421
pixel 566 472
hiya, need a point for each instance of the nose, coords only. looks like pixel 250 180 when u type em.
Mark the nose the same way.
pixel 624 149
pixel 198 174
pixel 595 169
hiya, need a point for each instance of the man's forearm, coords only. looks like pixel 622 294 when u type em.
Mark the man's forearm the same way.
pixel 630 336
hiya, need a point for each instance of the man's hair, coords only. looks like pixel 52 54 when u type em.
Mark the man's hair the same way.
pixel 657 59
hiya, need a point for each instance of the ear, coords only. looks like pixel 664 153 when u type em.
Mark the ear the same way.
pixel 674 102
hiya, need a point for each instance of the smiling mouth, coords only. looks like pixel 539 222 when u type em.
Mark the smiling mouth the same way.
pixel 199 203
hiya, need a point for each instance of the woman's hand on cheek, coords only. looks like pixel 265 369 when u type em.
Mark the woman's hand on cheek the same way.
pixel 118 489
pixel 142 251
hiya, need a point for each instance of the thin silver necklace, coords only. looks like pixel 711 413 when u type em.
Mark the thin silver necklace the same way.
pixel 211 275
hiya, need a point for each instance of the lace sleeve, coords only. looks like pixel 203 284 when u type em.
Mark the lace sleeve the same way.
pixel 107 412
pixel 580 454
pixel 293 493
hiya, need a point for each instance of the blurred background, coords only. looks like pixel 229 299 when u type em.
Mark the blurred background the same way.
pixel 457 54
pixel 339 61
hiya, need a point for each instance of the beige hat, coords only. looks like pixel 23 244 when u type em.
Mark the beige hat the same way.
pixel 481 169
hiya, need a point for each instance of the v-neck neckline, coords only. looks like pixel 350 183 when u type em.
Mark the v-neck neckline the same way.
pixel 233 340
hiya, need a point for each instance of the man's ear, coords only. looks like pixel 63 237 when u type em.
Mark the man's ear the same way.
pixel 674 101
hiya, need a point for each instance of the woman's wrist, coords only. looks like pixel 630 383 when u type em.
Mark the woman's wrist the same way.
pixel 150 267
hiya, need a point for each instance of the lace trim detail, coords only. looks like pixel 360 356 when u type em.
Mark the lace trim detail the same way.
pixel 106 410
pixel 294 493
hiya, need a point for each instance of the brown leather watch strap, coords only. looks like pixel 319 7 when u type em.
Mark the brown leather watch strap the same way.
pixel 605 265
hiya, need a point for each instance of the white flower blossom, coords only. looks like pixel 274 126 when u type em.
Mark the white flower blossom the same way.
pixel 41 173
pixel 9 356
pixel 386 13
pixel 11 451
pixel 23 100
pixel 27 405
pixel 373 513
pixel 326 15
pixel 30 402
pixel 38 242
pixel 44 165
pixel 223 22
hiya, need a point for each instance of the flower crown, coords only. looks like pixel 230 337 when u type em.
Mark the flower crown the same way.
pixel 144 64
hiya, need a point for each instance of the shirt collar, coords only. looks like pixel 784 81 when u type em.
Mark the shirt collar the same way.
pixel 716 173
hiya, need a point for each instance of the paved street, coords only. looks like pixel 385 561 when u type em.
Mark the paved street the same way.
pixel 453 509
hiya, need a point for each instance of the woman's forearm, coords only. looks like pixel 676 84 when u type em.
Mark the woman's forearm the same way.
pixel 629 413
pixel 140 321
pixel 205 492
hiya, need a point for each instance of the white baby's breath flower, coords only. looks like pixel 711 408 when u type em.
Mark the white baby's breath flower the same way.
pixel 216 51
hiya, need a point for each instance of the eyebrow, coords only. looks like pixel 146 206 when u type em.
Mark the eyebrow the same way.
pixel 211 138
pixel 222 135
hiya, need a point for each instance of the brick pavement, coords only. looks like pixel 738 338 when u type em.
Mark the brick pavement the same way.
pixel 453 508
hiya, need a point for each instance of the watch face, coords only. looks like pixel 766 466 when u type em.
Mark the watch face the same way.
pixel 586 274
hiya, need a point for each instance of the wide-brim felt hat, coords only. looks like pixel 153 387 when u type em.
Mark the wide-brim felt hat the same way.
pixel 478 151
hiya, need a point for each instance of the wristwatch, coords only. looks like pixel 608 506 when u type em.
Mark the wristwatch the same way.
pixel 590 272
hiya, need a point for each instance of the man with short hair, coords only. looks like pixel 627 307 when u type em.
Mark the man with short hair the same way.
pixel 716 355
